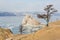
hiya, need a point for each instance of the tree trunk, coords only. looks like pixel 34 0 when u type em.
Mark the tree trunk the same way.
pixel 47 23
pixel 48 17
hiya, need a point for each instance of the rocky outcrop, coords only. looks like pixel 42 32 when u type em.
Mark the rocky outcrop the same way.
pixel 5 33
pixel 29 20
pixel 30 25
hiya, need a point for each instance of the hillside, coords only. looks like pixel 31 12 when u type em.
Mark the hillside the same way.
pixel 56 22
pixel 47 33
pixel 7 14
pixel 5 33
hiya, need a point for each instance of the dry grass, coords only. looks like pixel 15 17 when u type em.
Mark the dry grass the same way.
pixel 48 33
pixel 5 33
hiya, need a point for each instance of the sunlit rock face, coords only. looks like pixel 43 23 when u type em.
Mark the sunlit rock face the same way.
pixel 29 20
pixel 30 25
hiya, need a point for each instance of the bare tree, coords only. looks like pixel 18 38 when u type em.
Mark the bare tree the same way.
pixel 49 11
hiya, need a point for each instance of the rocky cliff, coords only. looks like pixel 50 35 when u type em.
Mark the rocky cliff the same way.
pixel 30 25
pixel 28 19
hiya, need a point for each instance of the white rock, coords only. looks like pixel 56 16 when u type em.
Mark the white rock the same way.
pixel 29 20
pixel 30 25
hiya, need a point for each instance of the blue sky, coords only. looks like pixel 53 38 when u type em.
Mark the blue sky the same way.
pixel 27 5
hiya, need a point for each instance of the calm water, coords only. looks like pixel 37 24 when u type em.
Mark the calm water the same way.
pixel 13 22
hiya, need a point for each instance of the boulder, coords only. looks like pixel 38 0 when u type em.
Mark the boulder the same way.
pixel 28 19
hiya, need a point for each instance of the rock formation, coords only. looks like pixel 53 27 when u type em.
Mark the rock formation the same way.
pixel 29 20
pixel 30 25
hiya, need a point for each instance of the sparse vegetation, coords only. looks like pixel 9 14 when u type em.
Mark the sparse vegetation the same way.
pixel 49 11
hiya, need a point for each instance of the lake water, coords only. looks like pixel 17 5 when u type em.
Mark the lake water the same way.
pixel 14 22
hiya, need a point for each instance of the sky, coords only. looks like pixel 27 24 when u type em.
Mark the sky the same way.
pixel 27 5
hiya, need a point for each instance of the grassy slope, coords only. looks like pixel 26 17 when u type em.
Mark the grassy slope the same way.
pixel 48 33
pixel 5 33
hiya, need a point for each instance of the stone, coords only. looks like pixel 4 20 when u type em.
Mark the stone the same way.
pixel 28 19
pixel 30 25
